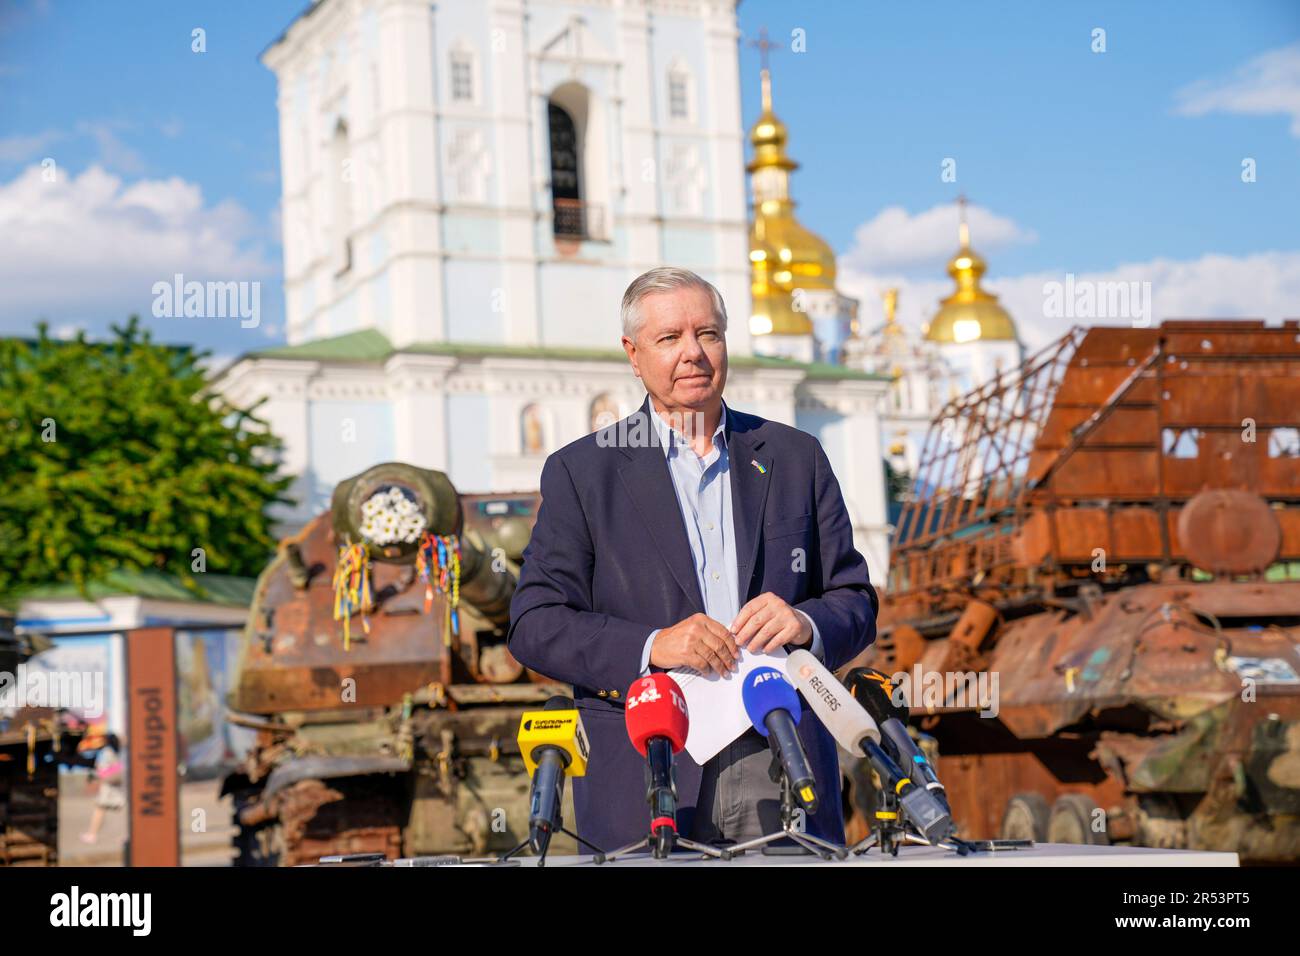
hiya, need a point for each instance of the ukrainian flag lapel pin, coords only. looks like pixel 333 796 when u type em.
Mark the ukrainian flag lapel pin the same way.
pixel 761 469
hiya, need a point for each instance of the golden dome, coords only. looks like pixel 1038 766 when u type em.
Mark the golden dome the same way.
pixel 783 255
pixel 793 257
pixel 769 135
pixel 970 314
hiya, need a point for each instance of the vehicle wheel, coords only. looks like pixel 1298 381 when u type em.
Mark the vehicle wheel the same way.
pixel 1025 818
pixel 1074 817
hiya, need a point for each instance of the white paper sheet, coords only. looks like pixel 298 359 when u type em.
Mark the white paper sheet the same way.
pixel 715 705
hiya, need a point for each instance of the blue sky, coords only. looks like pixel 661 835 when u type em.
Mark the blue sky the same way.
pixel 1084 148
pixel 1126 162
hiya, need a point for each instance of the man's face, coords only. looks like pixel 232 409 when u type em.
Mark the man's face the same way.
pixel 680 352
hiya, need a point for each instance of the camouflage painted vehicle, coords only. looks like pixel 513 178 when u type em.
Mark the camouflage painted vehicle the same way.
pixel 1099 554
pixel 31 746
pixel 397 737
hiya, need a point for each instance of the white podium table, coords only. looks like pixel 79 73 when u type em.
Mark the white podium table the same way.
pixel 1041 854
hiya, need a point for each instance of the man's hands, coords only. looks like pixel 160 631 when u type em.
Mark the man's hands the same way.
pixel 767 622
pixel 701 643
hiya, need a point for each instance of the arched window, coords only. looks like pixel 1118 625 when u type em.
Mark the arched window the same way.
pixel 341 175
pixel 566 173
pixel 580 163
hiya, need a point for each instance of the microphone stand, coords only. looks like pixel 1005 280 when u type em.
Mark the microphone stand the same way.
pixel 661 795
pixel 662 845
pixel 890 832
pixel 541 859
pixel 807 843
pixel 557 827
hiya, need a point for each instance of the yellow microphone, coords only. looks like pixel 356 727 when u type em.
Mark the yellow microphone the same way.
pixel 554 746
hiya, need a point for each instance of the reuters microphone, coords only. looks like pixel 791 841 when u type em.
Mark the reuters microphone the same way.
pixel 773 709
pixel 554 746
pixel 853 728
pixel 873 691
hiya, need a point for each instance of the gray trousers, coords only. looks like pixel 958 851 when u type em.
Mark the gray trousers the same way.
pixel 738 800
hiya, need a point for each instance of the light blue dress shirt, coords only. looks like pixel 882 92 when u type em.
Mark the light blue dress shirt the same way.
pixel 703 487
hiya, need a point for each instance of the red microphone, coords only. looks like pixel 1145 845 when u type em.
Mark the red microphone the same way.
pixel 657 723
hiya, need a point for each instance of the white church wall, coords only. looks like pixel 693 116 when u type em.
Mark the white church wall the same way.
pixel 843 415
pixel 581 305
pixel 452 239
pixel 417 384
pixel 474 307
pixel 344 316
pixel 428 168
pixel 690 248
pixel 768 393
pixel 468 441
pixel 345 436
pixel 472 232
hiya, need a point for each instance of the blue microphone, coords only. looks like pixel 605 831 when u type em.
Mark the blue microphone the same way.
pixel 772 704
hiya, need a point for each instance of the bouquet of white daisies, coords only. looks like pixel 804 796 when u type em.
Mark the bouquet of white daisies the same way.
pixel 391 517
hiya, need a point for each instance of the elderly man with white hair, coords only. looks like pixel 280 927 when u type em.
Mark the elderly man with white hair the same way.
pixel 676 537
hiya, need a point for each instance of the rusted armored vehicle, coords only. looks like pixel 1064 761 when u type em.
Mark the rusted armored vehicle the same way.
pixel 1093 602
pixel 31 746
pixel 375 671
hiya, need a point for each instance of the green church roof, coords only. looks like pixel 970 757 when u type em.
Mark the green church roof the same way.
pixel 208 588
pixel 371 346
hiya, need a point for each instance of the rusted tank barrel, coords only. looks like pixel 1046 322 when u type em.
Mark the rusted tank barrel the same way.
pixel 487 581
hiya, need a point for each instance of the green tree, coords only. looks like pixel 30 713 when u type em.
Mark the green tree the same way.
pixel 117 455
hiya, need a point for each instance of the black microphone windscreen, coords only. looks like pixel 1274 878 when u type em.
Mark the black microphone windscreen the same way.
pixel 873 691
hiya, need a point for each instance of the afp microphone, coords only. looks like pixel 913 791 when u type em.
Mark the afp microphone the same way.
pixel 872 690
pixel 857 733
pixel 773 709
pixel 657 724
pixel 554 746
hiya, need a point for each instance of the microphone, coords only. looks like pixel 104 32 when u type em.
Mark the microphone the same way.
pixel 773 709
pixel 873 691
pixel 554 746
pixel 855 731
pixel 657 723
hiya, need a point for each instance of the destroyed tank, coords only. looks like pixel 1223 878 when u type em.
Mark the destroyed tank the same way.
pixel 388 728
pixel 32 745
pixel 1093 604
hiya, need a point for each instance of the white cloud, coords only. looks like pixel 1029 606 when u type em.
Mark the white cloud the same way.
pixel 1263 285
pixel 895 239
pixel 92 246
pixel 1265 85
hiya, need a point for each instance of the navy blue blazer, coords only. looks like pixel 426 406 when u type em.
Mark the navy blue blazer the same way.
pixel 609 561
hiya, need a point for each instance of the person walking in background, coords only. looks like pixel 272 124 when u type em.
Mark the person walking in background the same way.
pixel 109 777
